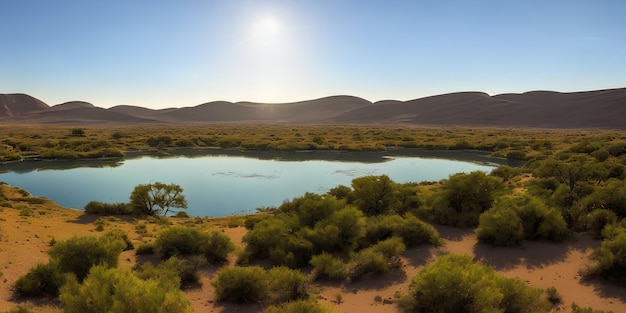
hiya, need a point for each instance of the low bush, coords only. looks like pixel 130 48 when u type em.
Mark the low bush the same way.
pixel 598 219
pixel 500 226
pixel 463 197
pixel 325 265
pixel 183 270
pixel 92 251
pixel 218 247
pixel 146 248
pixel 300 306
pixel 456 284
pixel 19 309
pixel 367 261
pixel 181 241
pixel 578 309
pixel 610 256
pixel 102 208
pixel 241 285
pixel 41 280
pixel 286 284
pixel 116 290
pixel 514 218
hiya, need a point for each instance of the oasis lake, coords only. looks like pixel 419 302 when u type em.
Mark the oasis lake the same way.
pixel 221 183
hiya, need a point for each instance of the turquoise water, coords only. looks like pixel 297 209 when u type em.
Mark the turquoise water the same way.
pixel 220 185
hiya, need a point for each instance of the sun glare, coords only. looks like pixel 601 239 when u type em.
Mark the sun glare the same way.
pixel 267 32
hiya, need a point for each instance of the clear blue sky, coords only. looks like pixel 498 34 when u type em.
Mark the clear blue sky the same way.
pixel 183 53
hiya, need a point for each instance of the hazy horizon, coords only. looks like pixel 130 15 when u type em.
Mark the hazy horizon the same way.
pixel 160 54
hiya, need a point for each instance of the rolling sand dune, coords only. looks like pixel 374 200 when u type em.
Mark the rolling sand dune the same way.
pixel 542 109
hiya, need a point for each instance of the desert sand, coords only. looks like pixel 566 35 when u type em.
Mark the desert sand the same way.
pixel 25 236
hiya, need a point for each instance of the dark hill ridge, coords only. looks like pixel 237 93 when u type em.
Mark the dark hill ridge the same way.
pixel 12 105
pixel 545 109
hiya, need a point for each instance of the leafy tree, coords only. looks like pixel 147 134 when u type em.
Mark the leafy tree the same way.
pixel 157 199
pixel 117 290
pixel 568 172
pixel 463 197
pixel 373 194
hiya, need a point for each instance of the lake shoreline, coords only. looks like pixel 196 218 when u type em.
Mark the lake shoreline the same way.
pixel 365 156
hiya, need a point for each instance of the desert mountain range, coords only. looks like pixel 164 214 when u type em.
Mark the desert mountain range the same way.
pixel 542 109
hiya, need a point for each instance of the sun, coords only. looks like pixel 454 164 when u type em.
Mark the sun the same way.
pixel 267 32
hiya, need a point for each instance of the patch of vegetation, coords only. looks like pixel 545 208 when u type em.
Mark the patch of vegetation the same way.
pixel 182 241
pixel 124 293
pixel 102 208
pixel 255 285
pixel 454 283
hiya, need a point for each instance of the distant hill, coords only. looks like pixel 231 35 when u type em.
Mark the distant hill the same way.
pixel 542 109
pixel 13 105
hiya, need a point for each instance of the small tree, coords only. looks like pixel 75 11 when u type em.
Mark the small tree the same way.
pixel 157 199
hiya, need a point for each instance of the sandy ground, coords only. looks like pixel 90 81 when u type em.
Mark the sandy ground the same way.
pixel 25 236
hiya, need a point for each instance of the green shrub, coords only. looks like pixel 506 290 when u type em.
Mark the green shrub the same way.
pixel 610 256
pixel 325 265
pixel 500 226
pixel 373 195
pixel 553 295
pixel 183 270
pixel 414 231
pixel 241 285
pixel 391 247
pixel 539 222
pixel 146 248
pixel 78 254
pixel 519 297
pixel 181 214
pixel 19 309
pixel 118 235
pixel 102 208
pixel 579 309
pixel 286 284
pixel 180 240
pixel 455 284
pixel 368 261
pixel 299 306
pixel 463 197
pixel 218 247
pixel 116 290
pixel 598 219
pixel 41 280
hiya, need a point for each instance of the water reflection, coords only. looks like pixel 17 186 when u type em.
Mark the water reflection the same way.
pixel 219 183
